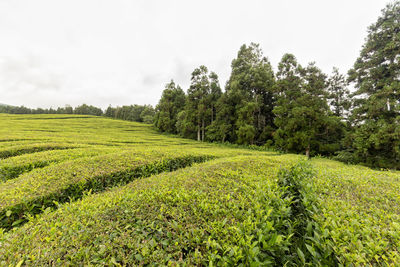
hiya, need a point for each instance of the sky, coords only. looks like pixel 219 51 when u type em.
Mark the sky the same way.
pixel 123 52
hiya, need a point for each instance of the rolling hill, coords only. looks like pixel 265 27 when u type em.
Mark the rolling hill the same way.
pixel 84 190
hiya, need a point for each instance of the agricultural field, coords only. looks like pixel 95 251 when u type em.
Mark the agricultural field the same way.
pixel 83 190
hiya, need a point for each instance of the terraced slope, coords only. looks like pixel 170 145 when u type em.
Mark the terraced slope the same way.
pixel 81 190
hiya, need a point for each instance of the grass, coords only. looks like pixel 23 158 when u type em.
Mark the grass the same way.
pixel 81 190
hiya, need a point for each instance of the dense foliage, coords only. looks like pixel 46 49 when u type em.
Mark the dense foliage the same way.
pixel 295 109
pixel 139 113
pixel 79 188
pixel 376 74
pixel 82 109
pixel 301 109
pixel 171 103
pixel 88 190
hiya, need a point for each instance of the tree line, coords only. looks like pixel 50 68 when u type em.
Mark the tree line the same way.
pixel 299 108
pixel 139 113
pixel 296 109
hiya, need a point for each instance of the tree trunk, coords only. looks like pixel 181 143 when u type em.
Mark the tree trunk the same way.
pixel 203 131
pixel 198 132
pixel 308 151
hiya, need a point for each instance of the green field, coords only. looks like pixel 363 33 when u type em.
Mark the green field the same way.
pixel 83 190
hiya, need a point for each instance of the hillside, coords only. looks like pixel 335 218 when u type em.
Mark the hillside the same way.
pixel 84 190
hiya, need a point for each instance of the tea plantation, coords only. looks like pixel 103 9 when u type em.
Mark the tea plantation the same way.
pixel 83 190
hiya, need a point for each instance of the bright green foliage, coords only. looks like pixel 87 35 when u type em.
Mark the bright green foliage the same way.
pixel 360 212
pixel 28 195
pixel 12 167
pixel 225 212
pixel 376 112
pixel 105 201
pixel 310 246
pixel 13 151
pixel 303 118
pixel 100 163
pixel 171 103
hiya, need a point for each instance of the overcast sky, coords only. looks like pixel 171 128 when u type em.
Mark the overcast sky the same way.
pixel 120 52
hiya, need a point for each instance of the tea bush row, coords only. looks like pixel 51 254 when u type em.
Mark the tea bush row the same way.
pixel 43 188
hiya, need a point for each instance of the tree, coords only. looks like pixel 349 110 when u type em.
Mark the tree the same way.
pixel 288 89
pixel 185 124
pixel 197 99
pixel 171 103
pixel 147 114
pixel 215 94
pixel 303 118
pixel 110 112
pixel 88 110
pixel 245 123
pixel 200 107
pixel 69 109
pixel 376 105
pixel 222 126
pixel 251 83
pixel 338 93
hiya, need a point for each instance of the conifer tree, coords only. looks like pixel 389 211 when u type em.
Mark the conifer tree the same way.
pixel 249 91
pixel 376 76
pixel 304 120
pixel 338 93
pixel 171 103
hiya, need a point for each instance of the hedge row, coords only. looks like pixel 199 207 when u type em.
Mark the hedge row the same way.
pixel 32 148
pixel 227 212
pixel 71 183
pixel 360 211
pixel 12 167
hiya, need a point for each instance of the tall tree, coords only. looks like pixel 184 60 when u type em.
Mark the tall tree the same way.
pixel 303 117
pixel 288 89
pixel 110 112
pixel 222 126
pixel 338 93
pixel 215 94
pixel 196 104
pixel 171 103
pixel 376 76
pixel 200 107
pixel 251 85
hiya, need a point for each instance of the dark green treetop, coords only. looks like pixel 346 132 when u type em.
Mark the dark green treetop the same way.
pixel 171 103
pixel 376 105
